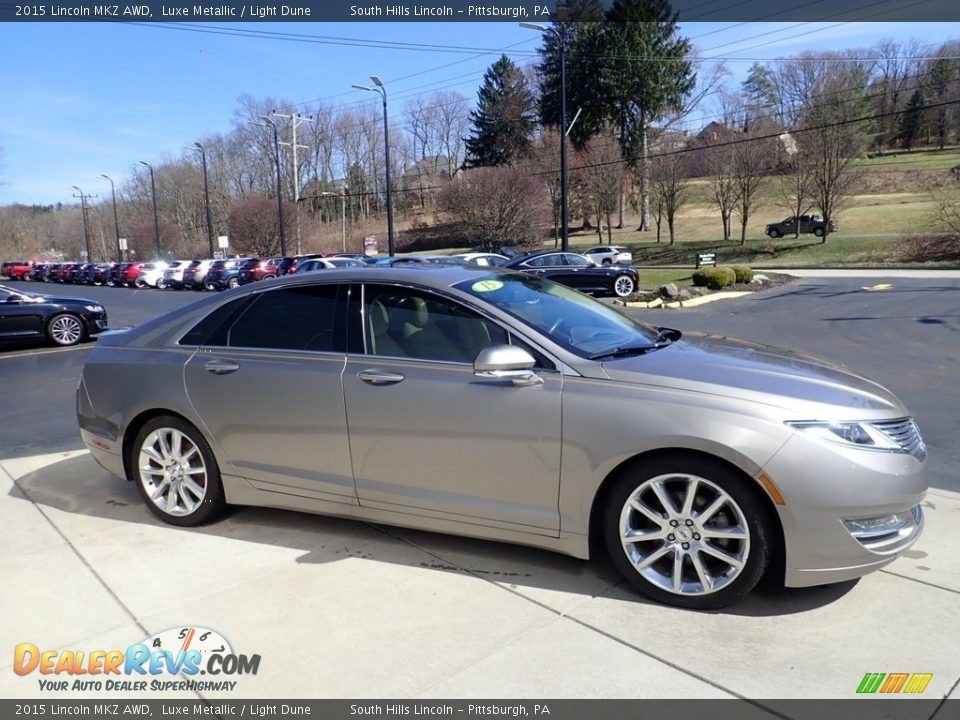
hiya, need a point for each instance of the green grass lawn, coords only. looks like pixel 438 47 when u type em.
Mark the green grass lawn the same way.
pixel 912 160
pixel 652 278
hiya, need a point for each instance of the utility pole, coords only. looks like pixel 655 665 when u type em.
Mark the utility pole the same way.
pixel 116 221
pixel 267 122
pixel 206 195
pixel 295 120
pixel 83 208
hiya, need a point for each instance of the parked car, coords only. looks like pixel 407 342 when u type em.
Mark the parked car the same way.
pixel 97 274
pixel 151 275
pixel 62 321
pixel 223 274
pixel 256 269
pixel 329 263
pixel 117 273
pixel 78 273
pixel 173 275
pixel 39 272
pixel 131 273
pixel 808 224
pixel 609 255
pixel 362 257
pixel 700 463
pixel 54 272
pixel 394 260
pixel 484 259
pixel 17 269
pixel 66 272
pixel 195 273
pixel 577 272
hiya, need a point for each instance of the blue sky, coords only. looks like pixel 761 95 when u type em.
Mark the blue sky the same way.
pixel 82 99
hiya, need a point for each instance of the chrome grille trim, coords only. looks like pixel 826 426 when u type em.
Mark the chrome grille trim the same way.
pixel 904 432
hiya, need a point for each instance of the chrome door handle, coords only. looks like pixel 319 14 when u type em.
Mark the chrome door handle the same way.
pixel 379 377
pixel 221 367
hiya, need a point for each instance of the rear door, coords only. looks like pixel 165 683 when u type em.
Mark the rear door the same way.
pixel 267 384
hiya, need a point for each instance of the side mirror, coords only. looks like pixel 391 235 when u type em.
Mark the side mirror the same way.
pixel 507 362
pixel 14 299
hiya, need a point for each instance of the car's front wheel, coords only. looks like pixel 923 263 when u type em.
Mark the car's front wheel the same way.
pixel 624 286
pixel 65 330
pixel 687 531
pixel 233 282
pixel 818 232
pixel 774 233
pixel 176 473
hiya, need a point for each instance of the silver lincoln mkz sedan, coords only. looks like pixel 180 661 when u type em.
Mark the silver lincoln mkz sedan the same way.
pixel 499 405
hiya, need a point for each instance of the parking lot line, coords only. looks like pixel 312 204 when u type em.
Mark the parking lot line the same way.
pixel 32 353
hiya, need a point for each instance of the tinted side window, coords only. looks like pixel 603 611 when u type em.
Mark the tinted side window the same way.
pixel 297 318
pixel 212 330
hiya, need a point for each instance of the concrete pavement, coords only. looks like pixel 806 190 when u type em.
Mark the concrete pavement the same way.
pixel 345 609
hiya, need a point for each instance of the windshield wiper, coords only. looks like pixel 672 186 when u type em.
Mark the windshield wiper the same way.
pixel 665 336
pixel 628 350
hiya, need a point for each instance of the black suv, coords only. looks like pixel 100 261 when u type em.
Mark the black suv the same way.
pixel 808 224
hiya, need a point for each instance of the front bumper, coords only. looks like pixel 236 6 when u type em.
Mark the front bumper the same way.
pixel 847 511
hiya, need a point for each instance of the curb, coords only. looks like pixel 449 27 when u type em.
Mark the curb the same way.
pixel 692 302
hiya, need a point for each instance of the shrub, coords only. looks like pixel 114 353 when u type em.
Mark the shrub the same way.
pixel 743 274
pixel 714 277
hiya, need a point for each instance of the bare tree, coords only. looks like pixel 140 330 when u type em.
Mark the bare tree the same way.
pixel 495 205
pixel 796 185
pixel 603 179
pixel 669 172
pixel 752 161
pixel 723 182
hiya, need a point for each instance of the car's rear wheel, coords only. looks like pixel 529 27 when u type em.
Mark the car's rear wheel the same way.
pixel 162 284
pixel 176 473
pixel 687 531
pixel 606 261
pixel 65 330
pixel 624 286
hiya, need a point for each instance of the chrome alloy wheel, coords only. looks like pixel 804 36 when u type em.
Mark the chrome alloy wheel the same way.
pixel 623 286
pixel 172 471
pixel 66 330
pixel 684 534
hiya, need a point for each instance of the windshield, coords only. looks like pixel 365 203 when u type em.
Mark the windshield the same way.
pixel 576 322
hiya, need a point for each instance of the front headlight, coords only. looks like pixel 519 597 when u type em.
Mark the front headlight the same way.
pixel 858 434
pixel 94 308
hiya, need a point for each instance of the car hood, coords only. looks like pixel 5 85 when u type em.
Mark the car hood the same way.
pixel 759 373
pixel 57 300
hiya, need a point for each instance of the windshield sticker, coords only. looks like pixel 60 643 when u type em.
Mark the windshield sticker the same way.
pixel 486 285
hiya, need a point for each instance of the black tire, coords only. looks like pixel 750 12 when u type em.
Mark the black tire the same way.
pixel 233 282
pixel 140 283
pixel 606 261
pixel 213 502
pixel 774 233
pixel 65 330
pixel 818 232
pixel 746 498
pixel 162 284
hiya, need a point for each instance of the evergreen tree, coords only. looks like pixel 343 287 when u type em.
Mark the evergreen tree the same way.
pixel 912 120
pixel 503 122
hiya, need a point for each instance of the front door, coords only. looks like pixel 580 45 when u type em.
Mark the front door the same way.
pixel 428 437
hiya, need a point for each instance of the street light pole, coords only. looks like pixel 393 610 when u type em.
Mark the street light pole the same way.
pixel 564 201
pixel 83 210
pixel 267 122
pixel 156 219
pixel 116 222
pixel 206 196
pixel 380 88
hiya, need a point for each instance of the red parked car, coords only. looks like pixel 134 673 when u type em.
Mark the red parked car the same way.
pixel 17 269
pixel 131 274
pixel 256 269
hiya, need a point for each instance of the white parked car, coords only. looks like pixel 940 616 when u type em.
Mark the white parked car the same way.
pixel 482 258
pixel 610 255
pixel 151 275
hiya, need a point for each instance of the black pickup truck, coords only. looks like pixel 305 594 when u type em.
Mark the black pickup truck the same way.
pixel 808 224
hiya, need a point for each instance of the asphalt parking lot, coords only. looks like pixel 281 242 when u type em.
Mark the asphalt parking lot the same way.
pixel 344 609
